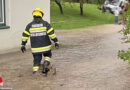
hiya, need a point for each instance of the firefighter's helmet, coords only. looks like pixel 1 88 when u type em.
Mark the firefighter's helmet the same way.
pixel 38 12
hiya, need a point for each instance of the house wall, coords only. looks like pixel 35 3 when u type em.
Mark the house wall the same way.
pixel 18 15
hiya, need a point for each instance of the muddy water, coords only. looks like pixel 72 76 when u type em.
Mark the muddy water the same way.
pixel 87 60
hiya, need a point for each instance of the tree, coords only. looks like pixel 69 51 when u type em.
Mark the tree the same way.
pixel 58 2
pixel 60 6
pixel 81 6
pixel 81 2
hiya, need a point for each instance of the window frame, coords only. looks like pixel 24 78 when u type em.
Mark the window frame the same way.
pixel 3 13
pixel 3 23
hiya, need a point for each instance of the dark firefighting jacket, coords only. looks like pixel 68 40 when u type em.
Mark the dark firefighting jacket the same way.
pixel 40 33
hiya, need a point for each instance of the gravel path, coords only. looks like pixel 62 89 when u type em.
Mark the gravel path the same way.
pixel 86 60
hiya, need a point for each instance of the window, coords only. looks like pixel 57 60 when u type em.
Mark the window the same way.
pixel 2 15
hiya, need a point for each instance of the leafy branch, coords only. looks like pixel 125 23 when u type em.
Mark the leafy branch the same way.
pixel 122 54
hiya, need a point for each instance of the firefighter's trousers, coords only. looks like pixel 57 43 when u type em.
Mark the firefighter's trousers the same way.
pixel 38 57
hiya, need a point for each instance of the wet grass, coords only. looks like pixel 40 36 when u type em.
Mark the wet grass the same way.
pixel 72 19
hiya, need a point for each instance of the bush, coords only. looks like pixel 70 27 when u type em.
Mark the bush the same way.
pixel 125 55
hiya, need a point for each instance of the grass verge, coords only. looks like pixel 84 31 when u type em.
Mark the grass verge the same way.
pixel 72 19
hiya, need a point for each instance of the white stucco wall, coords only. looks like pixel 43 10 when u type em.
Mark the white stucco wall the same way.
pixel 19 14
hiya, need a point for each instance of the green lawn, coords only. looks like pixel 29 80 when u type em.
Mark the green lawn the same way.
pixel 71 18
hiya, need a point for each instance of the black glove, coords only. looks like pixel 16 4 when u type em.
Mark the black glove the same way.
pixel 57 45
pixel 23 48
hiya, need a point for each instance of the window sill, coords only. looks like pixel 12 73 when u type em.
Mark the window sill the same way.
pixel 4 27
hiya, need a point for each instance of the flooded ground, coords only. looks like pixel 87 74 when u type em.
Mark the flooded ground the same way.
pixel 86 60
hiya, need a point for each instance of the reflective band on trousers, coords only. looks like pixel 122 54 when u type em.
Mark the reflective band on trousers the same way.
pixel 35 67
pixel 47 58
pixel 41 49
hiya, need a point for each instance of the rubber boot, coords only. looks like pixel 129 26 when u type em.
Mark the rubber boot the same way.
pixel 45 67
pixel 35 69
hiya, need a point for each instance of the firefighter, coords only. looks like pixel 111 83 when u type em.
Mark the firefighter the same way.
pixel 41 34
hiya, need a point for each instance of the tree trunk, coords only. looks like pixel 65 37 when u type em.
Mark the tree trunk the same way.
pixel 87 1
pixel 81 7
pixel 58 3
